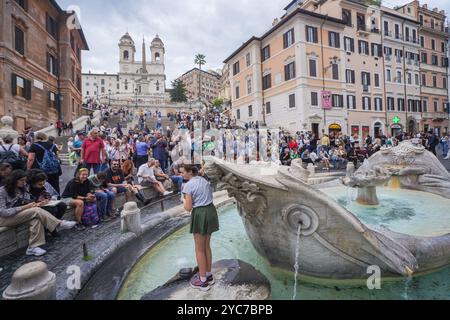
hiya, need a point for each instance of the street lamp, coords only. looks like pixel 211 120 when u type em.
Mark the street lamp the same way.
pixel 136 91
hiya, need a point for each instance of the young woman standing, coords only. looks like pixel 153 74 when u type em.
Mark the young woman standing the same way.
pixel 198 199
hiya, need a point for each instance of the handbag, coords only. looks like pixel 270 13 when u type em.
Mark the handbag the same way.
pixel 90 216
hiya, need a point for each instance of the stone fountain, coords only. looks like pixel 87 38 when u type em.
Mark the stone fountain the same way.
pixel 334 243
pixel 367 180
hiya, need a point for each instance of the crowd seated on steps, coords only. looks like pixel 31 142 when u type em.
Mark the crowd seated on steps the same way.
pixel 106 167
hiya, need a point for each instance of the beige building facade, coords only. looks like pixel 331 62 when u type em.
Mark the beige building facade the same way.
pixel 210 84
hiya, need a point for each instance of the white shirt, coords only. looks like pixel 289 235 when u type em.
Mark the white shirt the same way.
pixel 145 171
pixel 15 148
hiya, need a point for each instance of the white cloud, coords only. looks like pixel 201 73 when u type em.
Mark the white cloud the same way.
pixel 212 27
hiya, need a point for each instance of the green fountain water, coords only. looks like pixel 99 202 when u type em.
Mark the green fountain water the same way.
pixel 403 211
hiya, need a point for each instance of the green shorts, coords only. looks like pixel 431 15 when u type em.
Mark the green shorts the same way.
pixel 204 220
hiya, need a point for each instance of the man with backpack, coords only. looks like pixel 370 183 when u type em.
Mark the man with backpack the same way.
pixel 11 153
pixel 43 155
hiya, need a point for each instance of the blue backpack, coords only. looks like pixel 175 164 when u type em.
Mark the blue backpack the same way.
pixel 50 163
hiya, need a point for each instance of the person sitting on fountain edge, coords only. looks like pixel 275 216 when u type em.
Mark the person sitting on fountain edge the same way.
pixel 198 199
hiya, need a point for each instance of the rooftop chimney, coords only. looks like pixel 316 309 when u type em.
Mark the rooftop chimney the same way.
pixel 435 9
pixel 425 6
pixel 442 12
pixel 275 22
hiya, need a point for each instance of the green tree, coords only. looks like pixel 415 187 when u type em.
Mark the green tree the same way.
pixel 217 102
pixel 178 93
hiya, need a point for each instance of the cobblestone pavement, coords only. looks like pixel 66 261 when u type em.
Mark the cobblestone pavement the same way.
pixel 67 249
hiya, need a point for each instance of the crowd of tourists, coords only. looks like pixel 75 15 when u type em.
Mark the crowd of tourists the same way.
pixel 113 160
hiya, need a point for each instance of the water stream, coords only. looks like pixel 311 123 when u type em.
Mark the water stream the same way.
pixel 297 256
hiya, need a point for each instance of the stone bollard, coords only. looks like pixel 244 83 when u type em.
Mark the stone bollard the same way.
pixel 350 169
pixel 131 218
pixel 32 281
pixel 312 169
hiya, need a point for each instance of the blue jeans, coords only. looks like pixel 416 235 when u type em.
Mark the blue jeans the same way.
pixel 444 148
pixel 105 200
pixel 178 180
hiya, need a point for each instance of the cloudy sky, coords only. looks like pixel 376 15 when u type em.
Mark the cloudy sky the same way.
pixel 212 27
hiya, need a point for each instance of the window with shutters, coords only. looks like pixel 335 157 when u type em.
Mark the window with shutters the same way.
pixel 52 64
pixel 250 111
pixel 52 100
pixel 311 34
pixel 416 78
pixel 334 39
pixel 399 77
pixel 349 44
pixel 248 59
pixel 347 17
pixel 268 108
pixel 400 104
pixel 238 114
pixel 365 78
pixel 434 60
pixel 289 71
pixel 378 104
pixel 20 87
pixel 376 50
pixel 51 26
pixel 19 40
pixel 424 57
pixel 288 39
pixel 350 76
pixel 433 44
pixel 386 28
pixel 366 103
pixel 363 47
pixel 351 102
pixel 434 81
pixel 236 68
pixel 312 68
pixel 237 92
pixel 267 81
pixel 292 101
pixel 337 100
pixel 390 104
pixel 444 83
pixel 435 103
pixel 424 80
pixel 266 53
pixel 424 106
pixel 335 71
pixel 249 86
pixel 410 105
pixel 388 75
pixel 376 80
pixel 314 99
pixel 409 75
pixel 442 47
pixel 422 41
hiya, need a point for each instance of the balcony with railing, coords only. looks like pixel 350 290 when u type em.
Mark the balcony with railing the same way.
pixel 435 115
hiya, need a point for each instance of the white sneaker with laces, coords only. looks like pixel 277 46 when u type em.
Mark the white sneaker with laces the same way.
pixel 167 193
pixel 65 225
pixel 37 252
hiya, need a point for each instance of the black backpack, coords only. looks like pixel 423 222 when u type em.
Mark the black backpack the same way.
pixel 11 157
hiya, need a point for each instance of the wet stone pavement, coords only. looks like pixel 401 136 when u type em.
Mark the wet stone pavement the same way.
pixel 67 249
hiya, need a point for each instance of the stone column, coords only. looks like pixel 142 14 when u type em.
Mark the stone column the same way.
pixel 7 129
pixel 32 281
pixel 131 218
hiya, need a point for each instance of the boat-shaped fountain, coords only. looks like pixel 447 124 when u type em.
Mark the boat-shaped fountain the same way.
pixel 335 243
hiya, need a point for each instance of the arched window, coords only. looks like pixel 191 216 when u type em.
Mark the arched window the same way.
pixel 157 57
pixel 126 55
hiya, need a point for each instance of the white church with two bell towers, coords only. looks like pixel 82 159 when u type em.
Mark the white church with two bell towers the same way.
pixel 143 81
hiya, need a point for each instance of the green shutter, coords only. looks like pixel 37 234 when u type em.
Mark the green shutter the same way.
pixel 27 89
pixel 14 84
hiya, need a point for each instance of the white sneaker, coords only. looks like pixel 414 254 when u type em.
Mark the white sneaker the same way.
pixel 65 225
pixel 35 252
pixel 167 193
